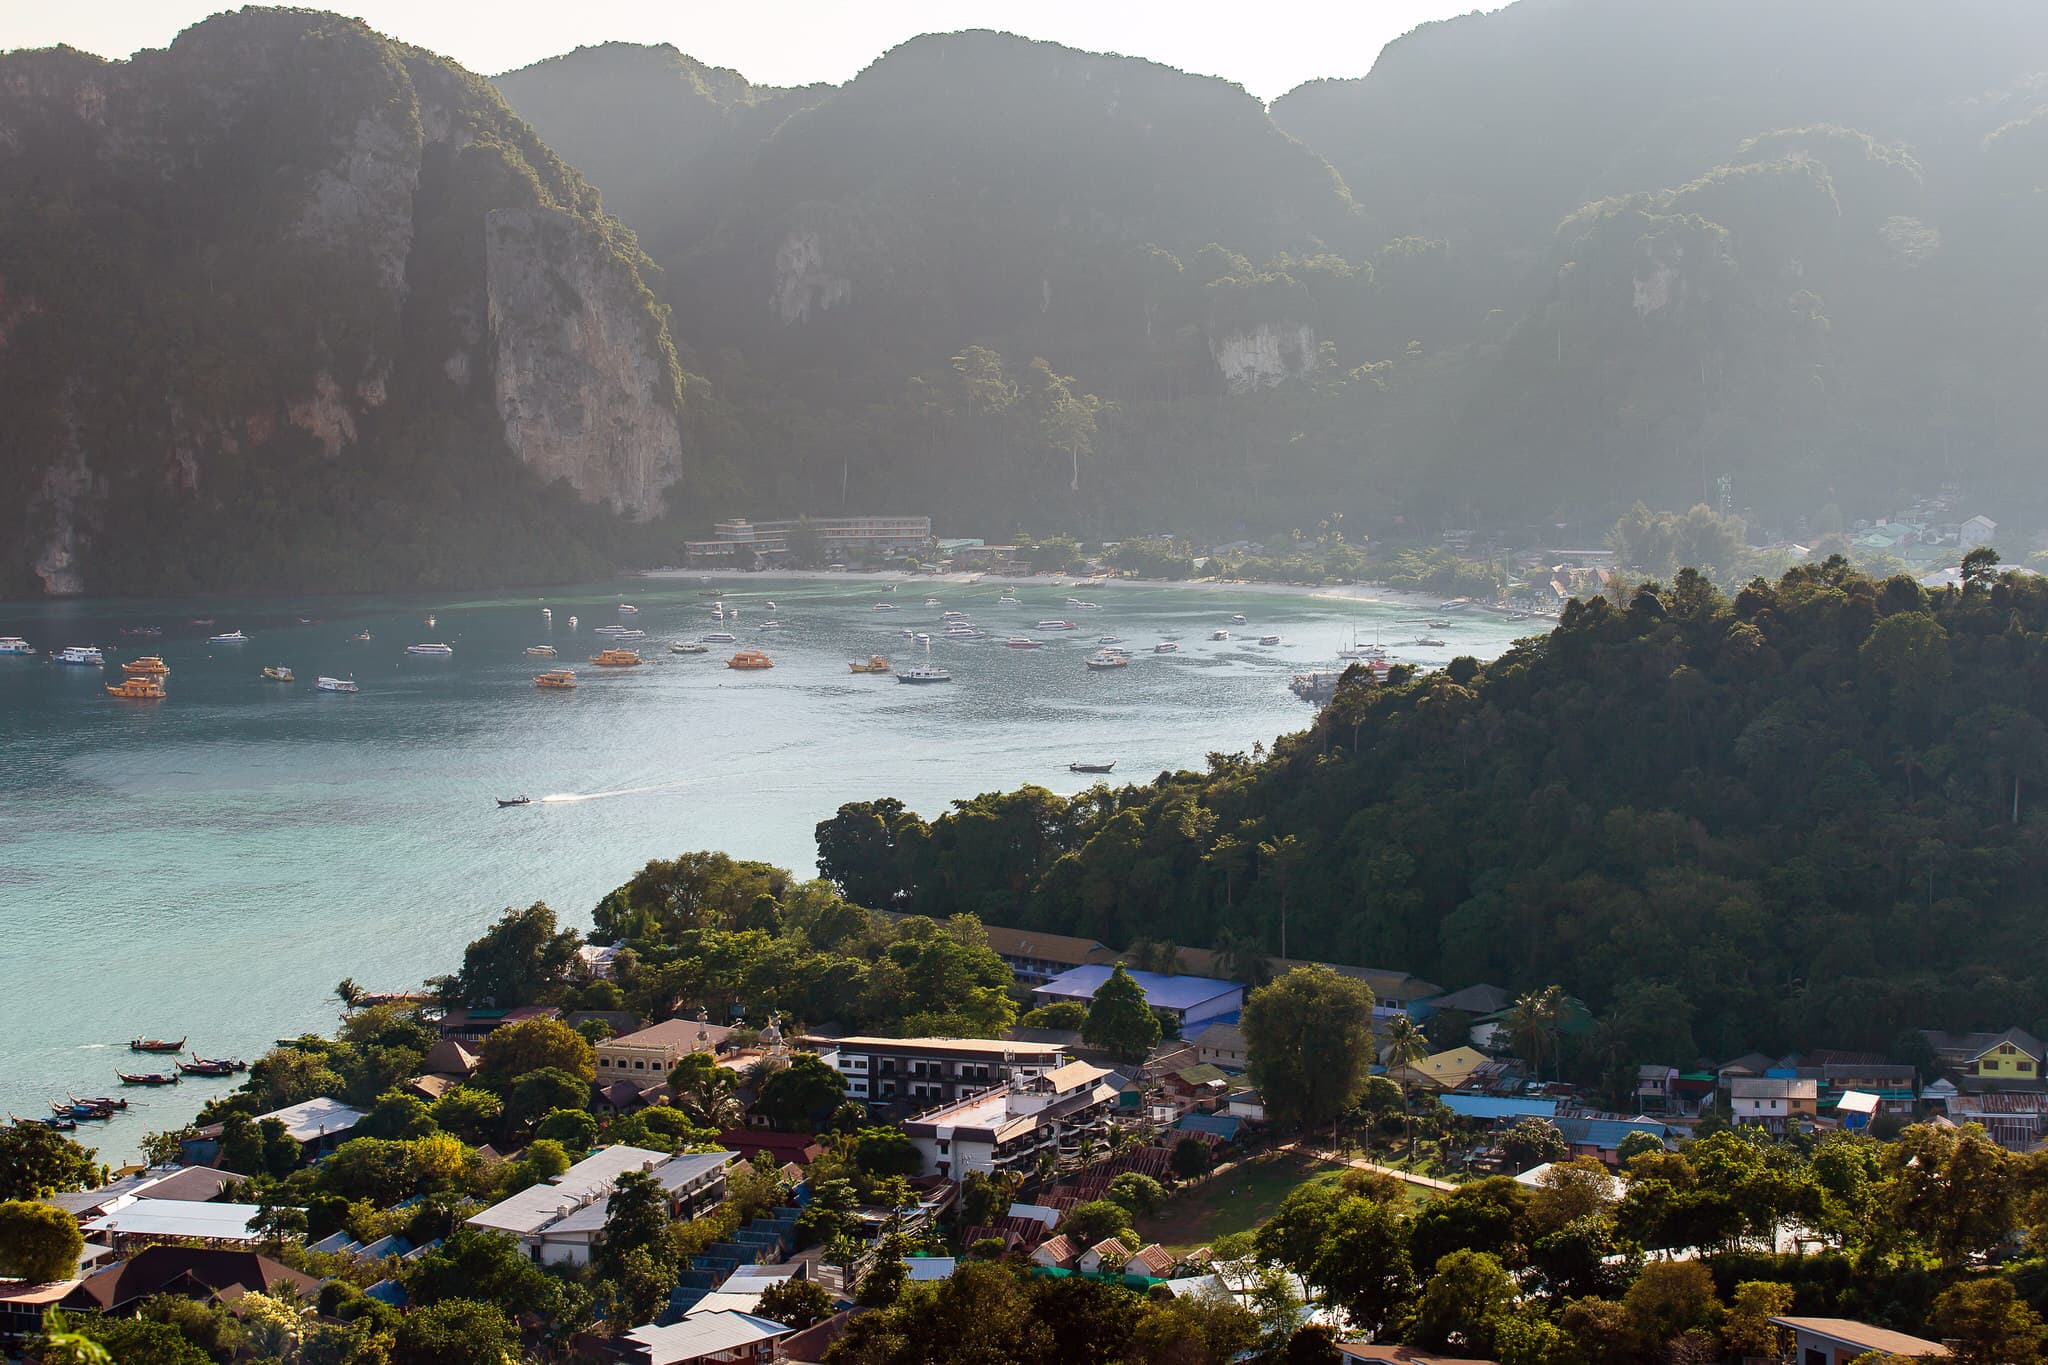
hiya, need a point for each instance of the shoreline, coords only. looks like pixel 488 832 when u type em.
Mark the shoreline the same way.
pixel 1374 594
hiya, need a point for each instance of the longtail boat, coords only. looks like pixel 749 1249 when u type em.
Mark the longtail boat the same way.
pixel 100 1101
pixel 201 1066
pixel 147 1078
pixel 155 1045
pixel 61 1125
pixel 80 1111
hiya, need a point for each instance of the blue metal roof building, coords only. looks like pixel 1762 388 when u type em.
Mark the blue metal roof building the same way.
pixel 1498 1107
pixel 1223 1126
pixel 1191 999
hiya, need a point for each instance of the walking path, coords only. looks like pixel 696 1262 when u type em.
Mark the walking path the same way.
pixel 1360 1163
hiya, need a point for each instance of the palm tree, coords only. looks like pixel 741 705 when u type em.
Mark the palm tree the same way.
pixel 1536 1023
pixel 1241 958
pixel 1406 1043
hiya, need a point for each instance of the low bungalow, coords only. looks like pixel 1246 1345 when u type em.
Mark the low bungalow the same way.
pixel 22 1307
pixel 560 1222
pixel 139 1222
pixel 1441 1070
pixel 721 1338
pixel 1221 1045
pixel 1191 1000
pixel 1247 1104
pixel 1602 1138
pixel 1773 1101
pixel 195 1183
pixel 1056 1253
pixel 318 1125
pixel 1152 1260
pixel 1837 1341
pixel 1106 1257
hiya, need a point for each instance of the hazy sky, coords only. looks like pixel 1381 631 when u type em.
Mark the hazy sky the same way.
pixel 793 42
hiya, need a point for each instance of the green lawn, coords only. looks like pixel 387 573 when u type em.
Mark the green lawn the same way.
pixel 1238 1200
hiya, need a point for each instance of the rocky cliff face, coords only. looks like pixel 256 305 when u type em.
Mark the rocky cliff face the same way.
pixel 285 239
pixel 1260 356
pixel 584 386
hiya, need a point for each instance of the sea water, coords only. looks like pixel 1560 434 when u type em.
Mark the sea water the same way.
pixel 213 864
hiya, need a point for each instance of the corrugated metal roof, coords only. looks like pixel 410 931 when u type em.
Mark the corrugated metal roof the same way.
pixel 1161 992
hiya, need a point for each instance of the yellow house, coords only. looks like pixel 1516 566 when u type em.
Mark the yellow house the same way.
pixel 1441 1071
pixel 2014 1055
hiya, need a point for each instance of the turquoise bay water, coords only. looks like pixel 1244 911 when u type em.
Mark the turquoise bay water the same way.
pixel 212 864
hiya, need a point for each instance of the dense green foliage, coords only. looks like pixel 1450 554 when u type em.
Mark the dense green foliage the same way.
pixel 37 1162
pixel 1807 816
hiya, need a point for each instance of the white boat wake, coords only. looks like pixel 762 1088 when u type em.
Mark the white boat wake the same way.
pixel 598 796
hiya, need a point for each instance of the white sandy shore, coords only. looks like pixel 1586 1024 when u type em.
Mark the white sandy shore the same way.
pixel 1352 592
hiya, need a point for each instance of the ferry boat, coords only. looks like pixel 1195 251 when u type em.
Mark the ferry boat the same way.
pixel 952 616
pixel 923 639
pixel 609 630
pixel 749 659
pixel 14 644
pixel 326 684
pixel 721 637
pixel 629 635
pixel 769 605
pixel 689 647
pixel 718 611
pixel 924 673
pixel 86 656
pixel 436 650
pixel 149 665
pixel 228 637
pixel 1084 605
pixel 547 613
pixel 960 630
pixel 1056 625
pixel 1022 643
pixel 138 689
pixel 616 658
pixel 541 651
pixel 1269 639
pixel 1219 635
pixel 279 673
pixel 876 664
pixel 1166 647
pixel 1102 663
pixel 556 678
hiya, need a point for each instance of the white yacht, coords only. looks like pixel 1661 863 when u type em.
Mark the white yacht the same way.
pixel 1219 635
pixel 1055 625
pixel 627 609
pixel 326 684
pixel 87 656
pixel 1238 619
pixel 885 606
pixel 924 673
pixel 1269 639
pixel 721 637
pixel 1008 601
pixel 228 637
pixel 1166 647
pixel 437 650
pixel 689 647
pixel 769 625
pixel 541 651
pixel 1105 661
pixel 14 644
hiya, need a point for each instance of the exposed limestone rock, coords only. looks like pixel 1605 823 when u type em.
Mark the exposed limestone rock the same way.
pixel 1262 355
pixel 802 284
pixel 363 203
pixel 584 387
pixel 325 416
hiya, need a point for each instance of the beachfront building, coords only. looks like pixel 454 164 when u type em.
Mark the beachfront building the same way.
pixel 927 1071
pixel 749 544
pixel 1007 1127
pixel 1191 1000
pixel 560 1222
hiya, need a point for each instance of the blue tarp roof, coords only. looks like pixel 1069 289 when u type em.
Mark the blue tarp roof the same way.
pixel 1163 992
pixel 1224 1126
pixel 1498 1107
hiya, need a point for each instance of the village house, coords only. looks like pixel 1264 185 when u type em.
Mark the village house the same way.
pixel 720 1338
pixel 645 1057
pixel 2011 1058
pixel 1773 1100
pixel 924 1071
pixel 205 1274
pixel 1440 1071
pixel 561 1221
pixel 1221 1045
pixel 318 1125
pixel 1191 1000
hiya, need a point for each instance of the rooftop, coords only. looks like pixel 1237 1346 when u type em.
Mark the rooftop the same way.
pixel 672 1033
pixel 315 1118
pixel 1161 992
pixel 704 1335
pixel 1029 943
pixel 992 1047
pixel 179 1218
pixel 1861 1336
pixel 538 1206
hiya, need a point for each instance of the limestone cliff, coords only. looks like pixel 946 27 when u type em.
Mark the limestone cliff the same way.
pixel 288 274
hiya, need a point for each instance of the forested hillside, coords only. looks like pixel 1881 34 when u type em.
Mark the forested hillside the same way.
pixel 288 304
pixel 1812 816
pixel 1537 265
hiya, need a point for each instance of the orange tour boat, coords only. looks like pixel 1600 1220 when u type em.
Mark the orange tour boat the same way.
pixel 875 664
pixel 617 658
pixel 148 666
pixel 556 677
pixel 749 658
pixel 138 689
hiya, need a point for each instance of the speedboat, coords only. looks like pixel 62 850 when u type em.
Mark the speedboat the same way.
pixel 922 639
pixel 430 623
pixel 960 630
pixel 514 801
pixel 327 684
pixel 924 673
pixel 718 611
pixel 228 637
pixel 1109 639
pixel 1091 767
pixel 769 605
pixel 541 651
pixel 142 630
pixel 627 609
pixel 689 647
pixel 629 635
pixel 1021 643
pixel 1166 647
pixel 547 613
pixel 437 650
pixel 86 656
pixel 1056 625
pixel 1083 605
pixel 885 606
pixel 1269 639
pixel 572 623
pixel 361 637
pixel 932 602
pixel 769 625
pixel 721 637
pixel 1219 635
pixel 1008 601
pixel 1237 619
pixel 952 616
pixel 608 630
pixel 1446 625
pixel 278 673
pixel 14 644
pixel 1102 663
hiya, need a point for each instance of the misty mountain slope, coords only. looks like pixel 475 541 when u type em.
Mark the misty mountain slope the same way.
pixel 290 303
pixel 661 134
